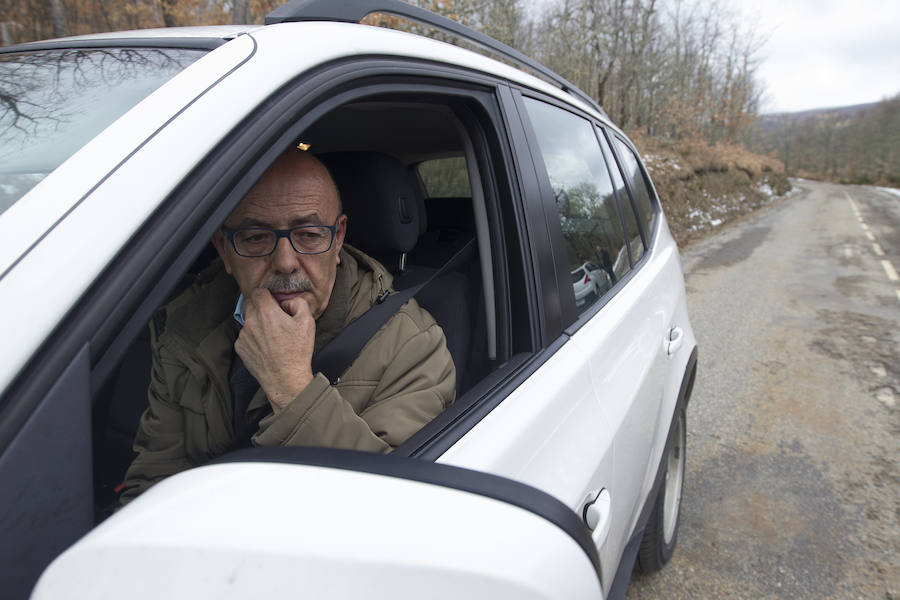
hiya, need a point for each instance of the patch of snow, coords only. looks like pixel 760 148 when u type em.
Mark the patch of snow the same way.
pixel 705 219
pixel 893 191
pixel 766 189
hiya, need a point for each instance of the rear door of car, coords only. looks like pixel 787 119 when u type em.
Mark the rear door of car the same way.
pixel 622 335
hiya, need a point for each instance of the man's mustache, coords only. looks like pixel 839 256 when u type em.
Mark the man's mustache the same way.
pixel 296 282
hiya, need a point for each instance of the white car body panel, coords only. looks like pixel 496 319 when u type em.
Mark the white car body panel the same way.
pixel 568 460
pixel 263 530
pixel 614 431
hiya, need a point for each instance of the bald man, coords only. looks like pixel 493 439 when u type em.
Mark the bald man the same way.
pixel 232 354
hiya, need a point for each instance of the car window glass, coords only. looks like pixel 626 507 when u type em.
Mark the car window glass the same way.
pixel 631 223
pixel 585 200
pixel 53 102
pixel 445 177
pixel 636 179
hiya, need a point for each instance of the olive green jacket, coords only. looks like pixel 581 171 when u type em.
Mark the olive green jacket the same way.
pixel 403 378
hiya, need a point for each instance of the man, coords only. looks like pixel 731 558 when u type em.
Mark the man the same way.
pixel 285 286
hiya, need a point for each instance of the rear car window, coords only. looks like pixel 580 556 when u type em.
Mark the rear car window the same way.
pixel 445 177
pixel 585 199
pixel 53 102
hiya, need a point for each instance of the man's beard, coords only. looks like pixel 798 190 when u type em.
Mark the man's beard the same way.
pixel 295 282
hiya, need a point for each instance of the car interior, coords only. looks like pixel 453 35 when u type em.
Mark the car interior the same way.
pixel 413 184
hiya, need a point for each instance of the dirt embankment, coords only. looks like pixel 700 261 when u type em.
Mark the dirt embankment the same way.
pixel 703 186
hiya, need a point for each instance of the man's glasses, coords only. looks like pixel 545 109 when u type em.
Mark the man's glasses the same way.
pixel 254 242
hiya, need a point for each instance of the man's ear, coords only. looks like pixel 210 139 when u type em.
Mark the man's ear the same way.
pixel 219 241
pixel 339 235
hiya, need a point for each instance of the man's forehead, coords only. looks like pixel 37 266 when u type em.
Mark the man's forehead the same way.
pixel 290 190
pixel 284 208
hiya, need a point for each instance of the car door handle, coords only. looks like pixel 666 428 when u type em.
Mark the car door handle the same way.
pixel 597 514
pixel 674 341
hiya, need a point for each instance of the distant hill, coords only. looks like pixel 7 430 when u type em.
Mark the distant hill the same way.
pixel 772 121
pixel 849 144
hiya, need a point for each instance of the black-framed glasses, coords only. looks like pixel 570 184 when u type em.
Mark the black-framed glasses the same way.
pixel 255 242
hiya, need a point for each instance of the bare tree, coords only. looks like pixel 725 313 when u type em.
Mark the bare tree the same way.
pixel 240 11
pixel 57 18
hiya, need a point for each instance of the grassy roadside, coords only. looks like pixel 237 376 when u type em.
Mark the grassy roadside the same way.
pixel 703 186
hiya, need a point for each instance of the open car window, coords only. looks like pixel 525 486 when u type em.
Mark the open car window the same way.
pixel 414 147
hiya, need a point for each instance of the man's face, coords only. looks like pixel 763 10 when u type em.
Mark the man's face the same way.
pixel 296 190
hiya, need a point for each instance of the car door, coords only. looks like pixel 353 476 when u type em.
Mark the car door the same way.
pixel 622 334
pixel 549 431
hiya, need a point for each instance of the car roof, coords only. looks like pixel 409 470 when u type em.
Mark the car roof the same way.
pixel 204 31
pixel 223 32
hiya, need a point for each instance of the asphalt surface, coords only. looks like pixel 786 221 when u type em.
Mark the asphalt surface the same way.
pixel 792 481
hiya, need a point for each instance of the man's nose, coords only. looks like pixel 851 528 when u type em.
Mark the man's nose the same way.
pixel 285 258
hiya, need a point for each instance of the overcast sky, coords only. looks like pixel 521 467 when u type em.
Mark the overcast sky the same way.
pixel 823 53
pixel 827 52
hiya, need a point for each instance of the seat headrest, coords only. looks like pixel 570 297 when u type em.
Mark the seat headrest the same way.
pixel 379 197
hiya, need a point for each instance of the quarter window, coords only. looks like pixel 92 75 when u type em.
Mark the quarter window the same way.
pixel 636 247
pixel 632 169
pixel 585 200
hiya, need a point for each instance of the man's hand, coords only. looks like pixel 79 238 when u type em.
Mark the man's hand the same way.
pixel 276 345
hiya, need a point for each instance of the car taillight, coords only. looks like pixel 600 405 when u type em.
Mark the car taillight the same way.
pixel 587 279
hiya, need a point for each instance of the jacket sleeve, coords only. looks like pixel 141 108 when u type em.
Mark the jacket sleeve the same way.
pixel 160 436
pixel 402 379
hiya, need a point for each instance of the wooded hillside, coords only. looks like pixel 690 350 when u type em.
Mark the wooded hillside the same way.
pixel 672 68
pixel 854 144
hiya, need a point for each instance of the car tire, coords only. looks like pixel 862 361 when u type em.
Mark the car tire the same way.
pixel 661 533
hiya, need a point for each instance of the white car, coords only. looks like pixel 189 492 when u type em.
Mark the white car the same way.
pixel 588 282
pixel 559 465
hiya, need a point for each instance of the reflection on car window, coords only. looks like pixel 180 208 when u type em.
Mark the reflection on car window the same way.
pixel 53 102
pixel 585 200
pixel 631 224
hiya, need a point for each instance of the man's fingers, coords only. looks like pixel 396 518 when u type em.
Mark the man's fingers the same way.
pixel 261 297
pixel 259 301
pixel 296 307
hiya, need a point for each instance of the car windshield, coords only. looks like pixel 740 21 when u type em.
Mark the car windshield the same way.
pixel 577 275
pixel 53 102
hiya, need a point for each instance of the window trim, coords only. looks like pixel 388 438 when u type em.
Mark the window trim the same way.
pixel 554 274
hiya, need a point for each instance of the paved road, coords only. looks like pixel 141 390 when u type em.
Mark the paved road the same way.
pixel 793 485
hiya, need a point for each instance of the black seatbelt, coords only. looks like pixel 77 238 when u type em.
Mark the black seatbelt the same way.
pixel 340 352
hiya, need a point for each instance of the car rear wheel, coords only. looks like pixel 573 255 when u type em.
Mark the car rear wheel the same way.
pixel 661 532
